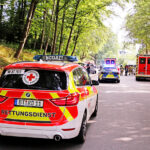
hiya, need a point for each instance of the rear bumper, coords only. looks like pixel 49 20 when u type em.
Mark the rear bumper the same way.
pixel 143 76
pixel 109 79
pixel 146 77
pixel 42 132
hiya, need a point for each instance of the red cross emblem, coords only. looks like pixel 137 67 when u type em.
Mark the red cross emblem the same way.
pixel 30 77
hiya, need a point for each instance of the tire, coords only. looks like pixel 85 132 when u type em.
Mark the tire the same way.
pixel 118 81
pixel 96 108
pixel 138 79
pixel 82 134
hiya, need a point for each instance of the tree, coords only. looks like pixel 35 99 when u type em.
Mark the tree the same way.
pixel 27 27
pixel 138 24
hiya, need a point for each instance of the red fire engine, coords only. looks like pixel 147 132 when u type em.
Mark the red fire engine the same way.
pixel 143 67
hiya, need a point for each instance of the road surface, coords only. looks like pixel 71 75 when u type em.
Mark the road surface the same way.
pixel 123 122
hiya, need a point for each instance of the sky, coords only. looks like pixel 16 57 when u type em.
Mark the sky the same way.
pixel 117 22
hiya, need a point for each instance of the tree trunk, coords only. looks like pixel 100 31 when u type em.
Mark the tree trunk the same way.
pixel 1 11
pixel 55 32
pixel 75 44
pixel 62 29
pixel 1 25
pixel 27 27
pixel 51 19
pixel 43 31
pixel 73 23
pixel 35 41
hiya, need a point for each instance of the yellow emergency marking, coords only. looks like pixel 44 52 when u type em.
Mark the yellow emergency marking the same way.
pixel 24 95
pixel 54 95
pixel 72 88
pixel 101 76
pixel 91 92
pixel 110 76
pixel 3 93
pixel 66 113
pixel 17 113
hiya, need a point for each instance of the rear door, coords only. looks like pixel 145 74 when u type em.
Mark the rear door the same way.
pixel 142 65
pixel 29 96
pixel 148 65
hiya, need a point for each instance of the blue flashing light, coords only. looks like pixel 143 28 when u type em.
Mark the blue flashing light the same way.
pixel 55 58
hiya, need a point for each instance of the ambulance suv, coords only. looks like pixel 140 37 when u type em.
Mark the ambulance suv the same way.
pixel 143 67
pixel 48 98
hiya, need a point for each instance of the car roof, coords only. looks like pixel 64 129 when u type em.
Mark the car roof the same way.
pixel 58 66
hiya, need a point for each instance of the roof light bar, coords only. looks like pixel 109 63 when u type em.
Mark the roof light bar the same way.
pixel 55 58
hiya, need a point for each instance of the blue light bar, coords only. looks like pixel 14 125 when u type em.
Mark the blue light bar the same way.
pixel 55 58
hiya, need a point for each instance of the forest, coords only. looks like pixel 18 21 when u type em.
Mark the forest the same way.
pixel 70 27
pixel 66 27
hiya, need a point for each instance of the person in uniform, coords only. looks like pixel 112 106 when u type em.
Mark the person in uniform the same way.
pixel 88 67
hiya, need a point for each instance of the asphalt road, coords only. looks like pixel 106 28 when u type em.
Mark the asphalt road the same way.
pixel 123 122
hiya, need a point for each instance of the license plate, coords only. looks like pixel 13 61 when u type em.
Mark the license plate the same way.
pixel 28 103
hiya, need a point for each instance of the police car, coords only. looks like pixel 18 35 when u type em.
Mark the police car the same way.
pixel 110 71
pixel 109 74
pixel 48 98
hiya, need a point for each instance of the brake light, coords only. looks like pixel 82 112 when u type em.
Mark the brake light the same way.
pixel 71 99
pixel 2 98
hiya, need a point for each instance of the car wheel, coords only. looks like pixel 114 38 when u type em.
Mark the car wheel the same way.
pixel 96 108
pixel 138 79
pixel 118 81
pixel 82 134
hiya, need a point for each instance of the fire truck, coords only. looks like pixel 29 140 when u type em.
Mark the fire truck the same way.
pixel 142 67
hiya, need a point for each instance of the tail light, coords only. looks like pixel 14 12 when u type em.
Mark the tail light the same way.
pixel 71 99
pixel 2 98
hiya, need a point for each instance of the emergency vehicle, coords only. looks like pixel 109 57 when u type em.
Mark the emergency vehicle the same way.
pixel 47 99
pixel 143 67
pixel 110 71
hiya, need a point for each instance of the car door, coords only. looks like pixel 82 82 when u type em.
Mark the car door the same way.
pixel 142 65
pixel 91 91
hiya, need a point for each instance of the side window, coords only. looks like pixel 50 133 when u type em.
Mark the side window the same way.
pixel 81 77
pixel 76 77
pixel 88 80
pixel 142 60
pixel 148 60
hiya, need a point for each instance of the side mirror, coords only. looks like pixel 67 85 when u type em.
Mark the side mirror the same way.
pixel 95 82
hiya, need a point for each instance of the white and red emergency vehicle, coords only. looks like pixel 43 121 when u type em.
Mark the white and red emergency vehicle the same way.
pixel 48 98
pixel 143 67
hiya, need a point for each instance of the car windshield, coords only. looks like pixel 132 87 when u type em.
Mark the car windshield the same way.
pixel 33 79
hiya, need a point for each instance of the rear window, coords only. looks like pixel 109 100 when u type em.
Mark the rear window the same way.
pixel 33 79
pixel 142 60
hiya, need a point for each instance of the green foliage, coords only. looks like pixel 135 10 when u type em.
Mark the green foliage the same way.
pixel 138 24
pixel 89 33
pixel 110 48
